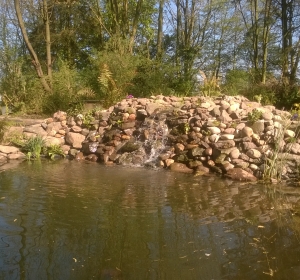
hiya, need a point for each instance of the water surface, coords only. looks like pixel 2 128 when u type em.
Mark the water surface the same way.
pixel 72 220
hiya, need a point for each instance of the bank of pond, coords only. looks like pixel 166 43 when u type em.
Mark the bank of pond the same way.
pixel 226 135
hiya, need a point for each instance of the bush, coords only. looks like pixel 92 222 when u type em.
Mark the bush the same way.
pixel 68 88
pixel 33 147
pixel 236 82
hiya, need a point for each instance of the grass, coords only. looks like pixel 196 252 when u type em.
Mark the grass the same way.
pixel 275 163
pixel 33 147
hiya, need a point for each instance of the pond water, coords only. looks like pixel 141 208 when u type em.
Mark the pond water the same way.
pixel 73 220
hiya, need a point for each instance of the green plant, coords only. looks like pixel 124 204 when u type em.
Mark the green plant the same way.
pixel 3 128
pixel 119 122
pixel 210 86
pixel 254 116
pixel 33 146
pixel 54 150
pixel 108 85
pixel 258 98
pixel 276 161
pixel 186 128
pixel 87 119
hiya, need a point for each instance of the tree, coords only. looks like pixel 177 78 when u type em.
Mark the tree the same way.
pixel 33 54
pixel 290 23
pixel 160 29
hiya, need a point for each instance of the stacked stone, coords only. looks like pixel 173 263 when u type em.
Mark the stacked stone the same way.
pixel 203 134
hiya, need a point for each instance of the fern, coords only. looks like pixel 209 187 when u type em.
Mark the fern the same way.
pixel 109 87
pixel 86 93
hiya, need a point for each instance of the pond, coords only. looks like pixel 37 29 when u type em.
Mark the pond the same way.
pixel 73 220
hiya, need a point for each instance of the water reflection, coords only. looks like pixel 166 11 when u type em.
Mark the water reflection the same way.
pixel 70 220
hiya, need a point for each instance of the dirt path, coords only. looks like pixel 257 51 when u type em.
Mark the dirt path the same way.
pixel 22 120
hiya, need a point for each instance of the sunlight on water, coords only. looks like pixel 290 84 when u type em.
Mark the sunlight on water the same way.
pixel 71 220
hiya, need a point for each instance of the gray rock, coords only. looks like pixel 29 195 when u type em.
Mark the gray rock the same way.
pixel 258 127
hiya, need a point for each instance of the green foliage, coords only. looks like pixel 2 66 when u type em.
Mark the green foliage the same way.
pixel 68 88
pixel 210 87
pixel 112 93
pixel 153 77
pixel 53 151
pixel 88 118
pixel 236 82
pixel 3 128
pixel 33 146
pixel 274 166
pixel 254 116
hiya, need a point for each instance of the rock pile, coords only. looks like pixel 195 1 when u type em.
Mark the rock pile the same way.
pixel 227 135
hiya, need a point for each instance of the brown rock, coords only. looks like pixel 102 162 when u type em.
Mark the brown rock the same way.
pixel 76 128
pixel 74 139
pixel 16 156
pixel 234 153
pixel 247 131
pixel 202 169
pixel 36 129
pixel 253 153
pixel 8 149
pixel 239 174
pixel 179 148
pixel 180 167
pixel 79 156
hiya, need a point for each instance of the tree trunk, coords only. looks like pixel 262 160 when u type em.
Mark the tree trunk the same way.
pixel 48 41
pixel 266 32
pixel 160 30
pixel 135 24
pixel 285 41
pixel 33 54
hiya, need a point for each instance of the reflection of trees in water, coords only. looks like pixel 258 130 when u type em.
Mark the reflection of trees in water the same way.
pixel 145 224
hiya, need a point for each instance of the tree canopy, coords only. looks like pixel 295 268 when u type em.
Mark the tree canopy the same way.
pixel 53 52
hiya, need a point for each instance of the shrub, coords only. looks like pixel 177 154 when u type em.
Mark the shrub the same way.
pixel 33 146
pixel 54 150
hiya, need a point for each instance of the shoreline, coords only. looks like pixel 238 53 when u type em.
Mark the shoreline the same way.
pixel 228 135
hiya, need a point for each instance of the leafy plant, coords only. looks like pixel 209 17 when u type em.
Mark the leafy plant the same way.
pixel 254 116
pixel 108 85
pixel 87 119
pixel 186 128
pixel 33 146
pixel 54 150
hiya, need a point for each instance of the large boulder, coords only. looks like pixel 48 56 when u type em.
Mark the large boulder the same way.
pixel 8 149
pixel 75 139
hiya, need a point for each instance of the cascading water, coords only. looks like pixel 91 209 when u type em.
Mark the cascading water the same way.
pixel 156 131
pixel 150 142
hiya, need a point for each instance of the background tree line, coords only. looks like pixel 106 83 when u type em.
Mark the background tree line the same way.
pixel 54 52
